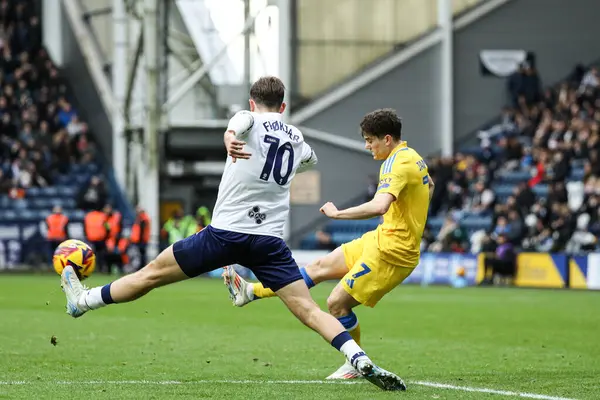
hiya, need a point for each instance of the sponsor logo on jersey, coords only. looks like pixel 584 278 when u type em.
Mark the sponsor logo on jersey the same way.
pixel 256 215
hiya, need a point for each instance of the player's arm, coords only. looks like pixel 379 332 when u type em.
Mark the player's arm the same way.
pixel 309 159
pixel 390 186
pixel 237 129
pixel 377 207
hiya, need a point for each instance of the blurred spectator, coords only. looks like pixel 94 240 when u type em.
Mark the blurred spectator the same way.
pixel 177 227
pixel 427 239
pixel 114 222
pixel 501 265
pixel 372 184
pixel 582 239
pixel 524 197
pixel 140 233
pixel 516 228
pixel 116 254
pixel 324 239
pixel 201 221
pixel 451 238
pixel 57 229
pixel 590 80
pixel 96 231
pixel 515 85
pixel 94 196
pixel 524 86
pixel 482 201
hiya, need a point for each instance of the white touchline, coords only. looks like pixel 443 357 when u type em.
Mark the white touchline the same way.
pixel 492 391
pixel 286 382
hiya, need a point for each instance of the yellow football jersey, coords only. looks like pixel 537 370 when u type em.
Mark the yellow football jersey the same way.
pixel 404 175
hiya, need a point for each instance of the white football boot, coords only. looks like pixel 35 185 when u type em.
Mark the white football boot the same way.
pixel 74 290
pixel 378 376
pixel 240 291
pixel 346 371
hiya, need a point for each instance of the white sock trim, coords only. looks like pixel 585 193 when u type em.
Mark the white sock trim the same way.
pixel 93 298
pixel 350 349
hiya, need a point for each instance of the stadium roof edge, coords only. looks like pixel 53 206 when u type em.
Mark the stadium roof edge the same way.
pixel 378 70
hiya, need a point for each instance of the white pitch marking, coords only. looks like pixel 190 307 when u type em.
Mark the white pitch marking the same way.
pixel 492 391
pixel 199 382
pixel 289 382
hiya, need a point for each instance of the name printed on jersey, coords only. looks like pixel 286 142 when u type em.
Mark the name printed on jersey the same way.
pixel 280 126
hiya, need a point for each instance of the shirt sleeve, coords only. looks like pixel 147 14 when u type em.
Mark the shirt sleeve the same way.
pixel 308 160
pixel 394 181
pixel 241 123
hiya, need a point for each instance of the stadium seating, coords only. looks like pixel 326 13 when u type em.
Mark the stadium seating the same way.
pixel 64 170
pixel 507 176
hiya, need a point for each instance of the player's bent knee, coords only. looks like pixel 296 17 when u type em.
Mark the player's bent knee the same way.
pixel 335 308
pixel 337 303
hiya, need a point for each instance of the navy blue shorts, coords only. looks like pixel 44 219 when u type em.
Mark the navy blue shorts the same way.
pixel 268 257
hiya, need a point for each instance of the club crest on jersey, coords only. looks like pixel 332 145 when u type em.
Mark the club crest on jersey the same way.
pixel 256 215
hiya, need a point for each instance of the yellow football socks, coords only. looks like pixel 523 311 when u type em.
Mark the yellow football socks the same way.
pixel 355 333
pixel 260 291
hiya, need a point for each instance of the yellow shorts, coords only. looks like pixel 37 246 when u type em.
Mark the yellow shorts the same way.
pixel 369 277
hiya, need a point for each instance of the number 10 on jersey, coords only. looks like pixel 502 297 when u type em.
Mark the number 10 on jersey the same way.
pixel 275 156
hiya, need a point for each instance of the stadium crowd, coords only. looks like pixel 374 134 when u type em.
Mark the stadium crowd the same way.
pixel 40 132
pixel 48 160
pixel 535 174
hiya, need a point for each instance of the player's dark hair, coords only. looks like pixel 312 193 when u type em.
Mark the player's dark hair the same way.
pixel 382 122
pixel 268 91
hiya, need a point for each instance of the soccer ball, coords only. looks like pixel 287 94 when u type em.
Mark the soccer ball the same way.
pixel 77 254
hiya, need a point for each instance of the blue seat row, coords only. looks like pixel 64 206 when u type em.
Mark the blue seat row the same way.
pixel 37 215
pixel 39 203
pixel 513 176
pixel 467 222
pixel 505 190
pixel 53 191
pixel 85 168
pixel 72 179
pixel 507 177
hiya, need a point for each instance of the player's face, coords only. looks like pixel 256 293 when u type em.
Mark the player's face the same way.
pixel 378 147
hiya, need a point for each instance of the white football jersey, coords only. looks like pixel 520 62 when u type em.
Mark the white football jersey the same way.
pixel 254 194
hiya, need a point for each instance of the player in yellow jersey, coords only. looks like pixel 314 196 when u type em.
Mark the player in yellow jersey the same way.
pixel 377 262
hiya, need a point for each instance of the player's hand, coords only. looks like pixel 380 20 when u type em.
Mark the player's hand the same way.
pixel 235 147
pixel 329 209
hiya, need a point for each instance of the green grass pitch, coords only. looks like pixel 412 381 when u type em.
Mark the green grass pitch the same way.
pixel 187 341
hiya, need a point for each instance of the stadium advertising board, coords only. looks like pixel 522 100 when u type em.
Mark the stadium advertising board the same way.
pixel 446 269
pixel 23 243
pixel 434 269
pixel 542 270
pixel 585 272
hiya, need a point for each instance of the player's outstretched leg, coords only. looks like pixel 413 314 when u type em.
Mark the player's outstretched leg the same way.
pixel 298 300
pixel 330 267
pixel 159 272
pixel 340 305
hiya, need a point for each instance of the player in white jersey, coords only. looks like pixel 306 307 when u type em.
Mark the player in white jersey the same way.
pixel 248 201
pixel 252 206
